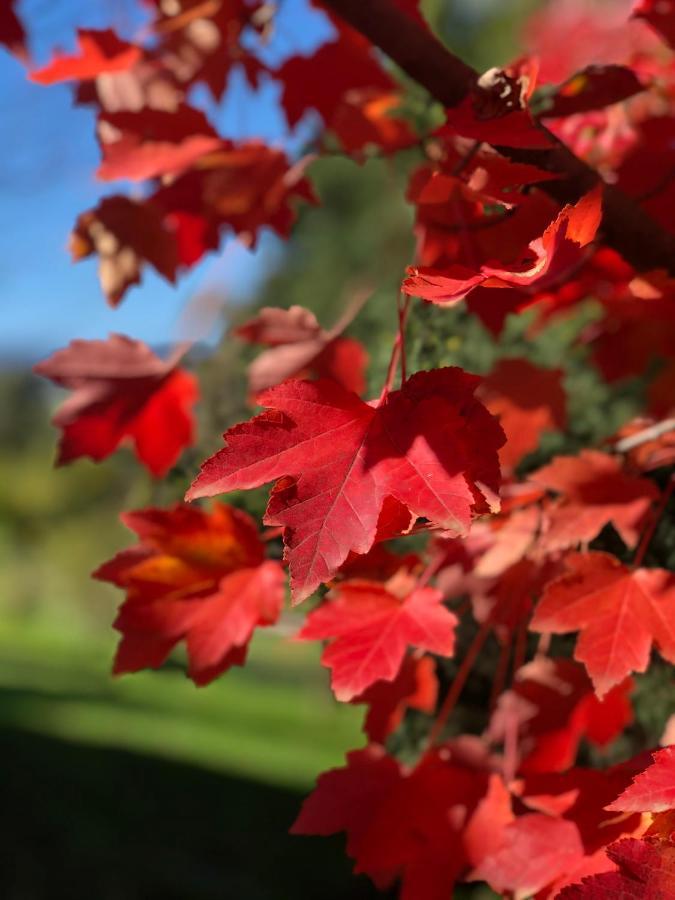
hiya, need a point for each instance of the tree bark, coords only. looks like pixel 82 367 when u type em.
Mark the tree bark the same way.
pixel 626 226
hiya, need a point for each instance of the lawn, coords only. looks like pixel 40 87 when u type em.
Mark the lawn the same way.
pixel 145 787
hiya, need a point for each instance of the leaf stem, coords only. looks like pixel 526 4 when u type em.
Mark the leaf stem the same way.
pixel 398 350
pixel 457 685
pixel 500 672
pixel 520 651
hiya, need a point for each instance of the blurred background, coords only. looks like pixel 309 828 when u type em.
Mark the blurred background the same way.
pixel 146 787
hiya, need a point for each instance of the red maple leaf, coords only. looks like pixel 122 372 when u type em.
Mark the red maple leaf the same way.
pixel 194 576
pixel 653 790
pixel 243 187
pixel 298 344
pixel 478 215
pixel 370 626
pixel 551 707
pixel 592 88
pixel 415 687
pixel 528 401
pixel 594 491
pixel 366 119
pixel 399 822
pixel 100 52
pixel 534 850
pixel 646 871
pixel 545 261
pixel 152 143
pixel 661 16
pixel 122 391
pixel 205 42
pixel 125 234
pixel 323 80
pixel 430 445
pixel 619 612
pixel 12 33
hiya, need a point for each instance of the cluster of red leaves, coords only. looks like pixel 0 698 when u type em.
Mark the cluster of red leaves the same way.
pixel 507 804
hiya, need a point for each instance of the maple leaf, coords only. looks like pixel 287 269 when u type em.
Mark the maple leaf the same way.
pixel 431 445
pixel 194 576
pixel 205 42
pixel 592 88
pixel 414 687
pixel 12 33
pixel 646 871
pixel 547 259
pixel 580 796
pixel 595 491
pixel 370 626
pixel 100 52
pixel 653 790
pixel 495 110
pixel 125 234
pixel 535 849
pixel 551 706
pixel 242 186
pixel 351 66
pixel 151 142
pixel 122 391
pixel 484 205
pixel 366 119
pixel 619 612
pixel 527 400
pixel 399 822
pixel 298 343
pixel 661 16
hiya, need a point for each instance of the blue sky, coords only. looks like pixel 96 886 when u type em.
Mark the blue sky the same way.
pixel 46 180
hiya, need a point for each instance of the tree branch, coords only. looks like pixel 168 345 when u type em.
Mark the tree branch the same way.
pixel 626 226
pixel 652 433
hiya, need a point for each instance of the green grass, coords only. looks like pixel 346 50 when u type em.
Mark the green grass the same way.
pixel 273 720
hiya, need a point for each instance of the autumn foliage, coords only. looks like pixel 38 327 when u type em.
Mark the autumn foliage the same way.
pixel 430 547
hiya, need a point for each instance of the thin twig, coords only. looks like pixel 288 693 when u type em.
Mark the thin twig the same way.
pixel 457 685
pixel 651 433
pixel 646 538
pixel 398 350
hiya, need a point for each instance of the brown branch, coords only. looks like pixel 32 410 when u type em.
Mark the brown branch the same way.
pixel 626 226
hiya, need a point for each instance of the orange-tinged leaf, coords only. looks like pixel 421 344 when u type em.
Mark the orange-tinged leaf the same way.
pixel 619 613
pixel 100 52
pixel 528 401
pixel 594 490
pixel 194 576
pixel 370 628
